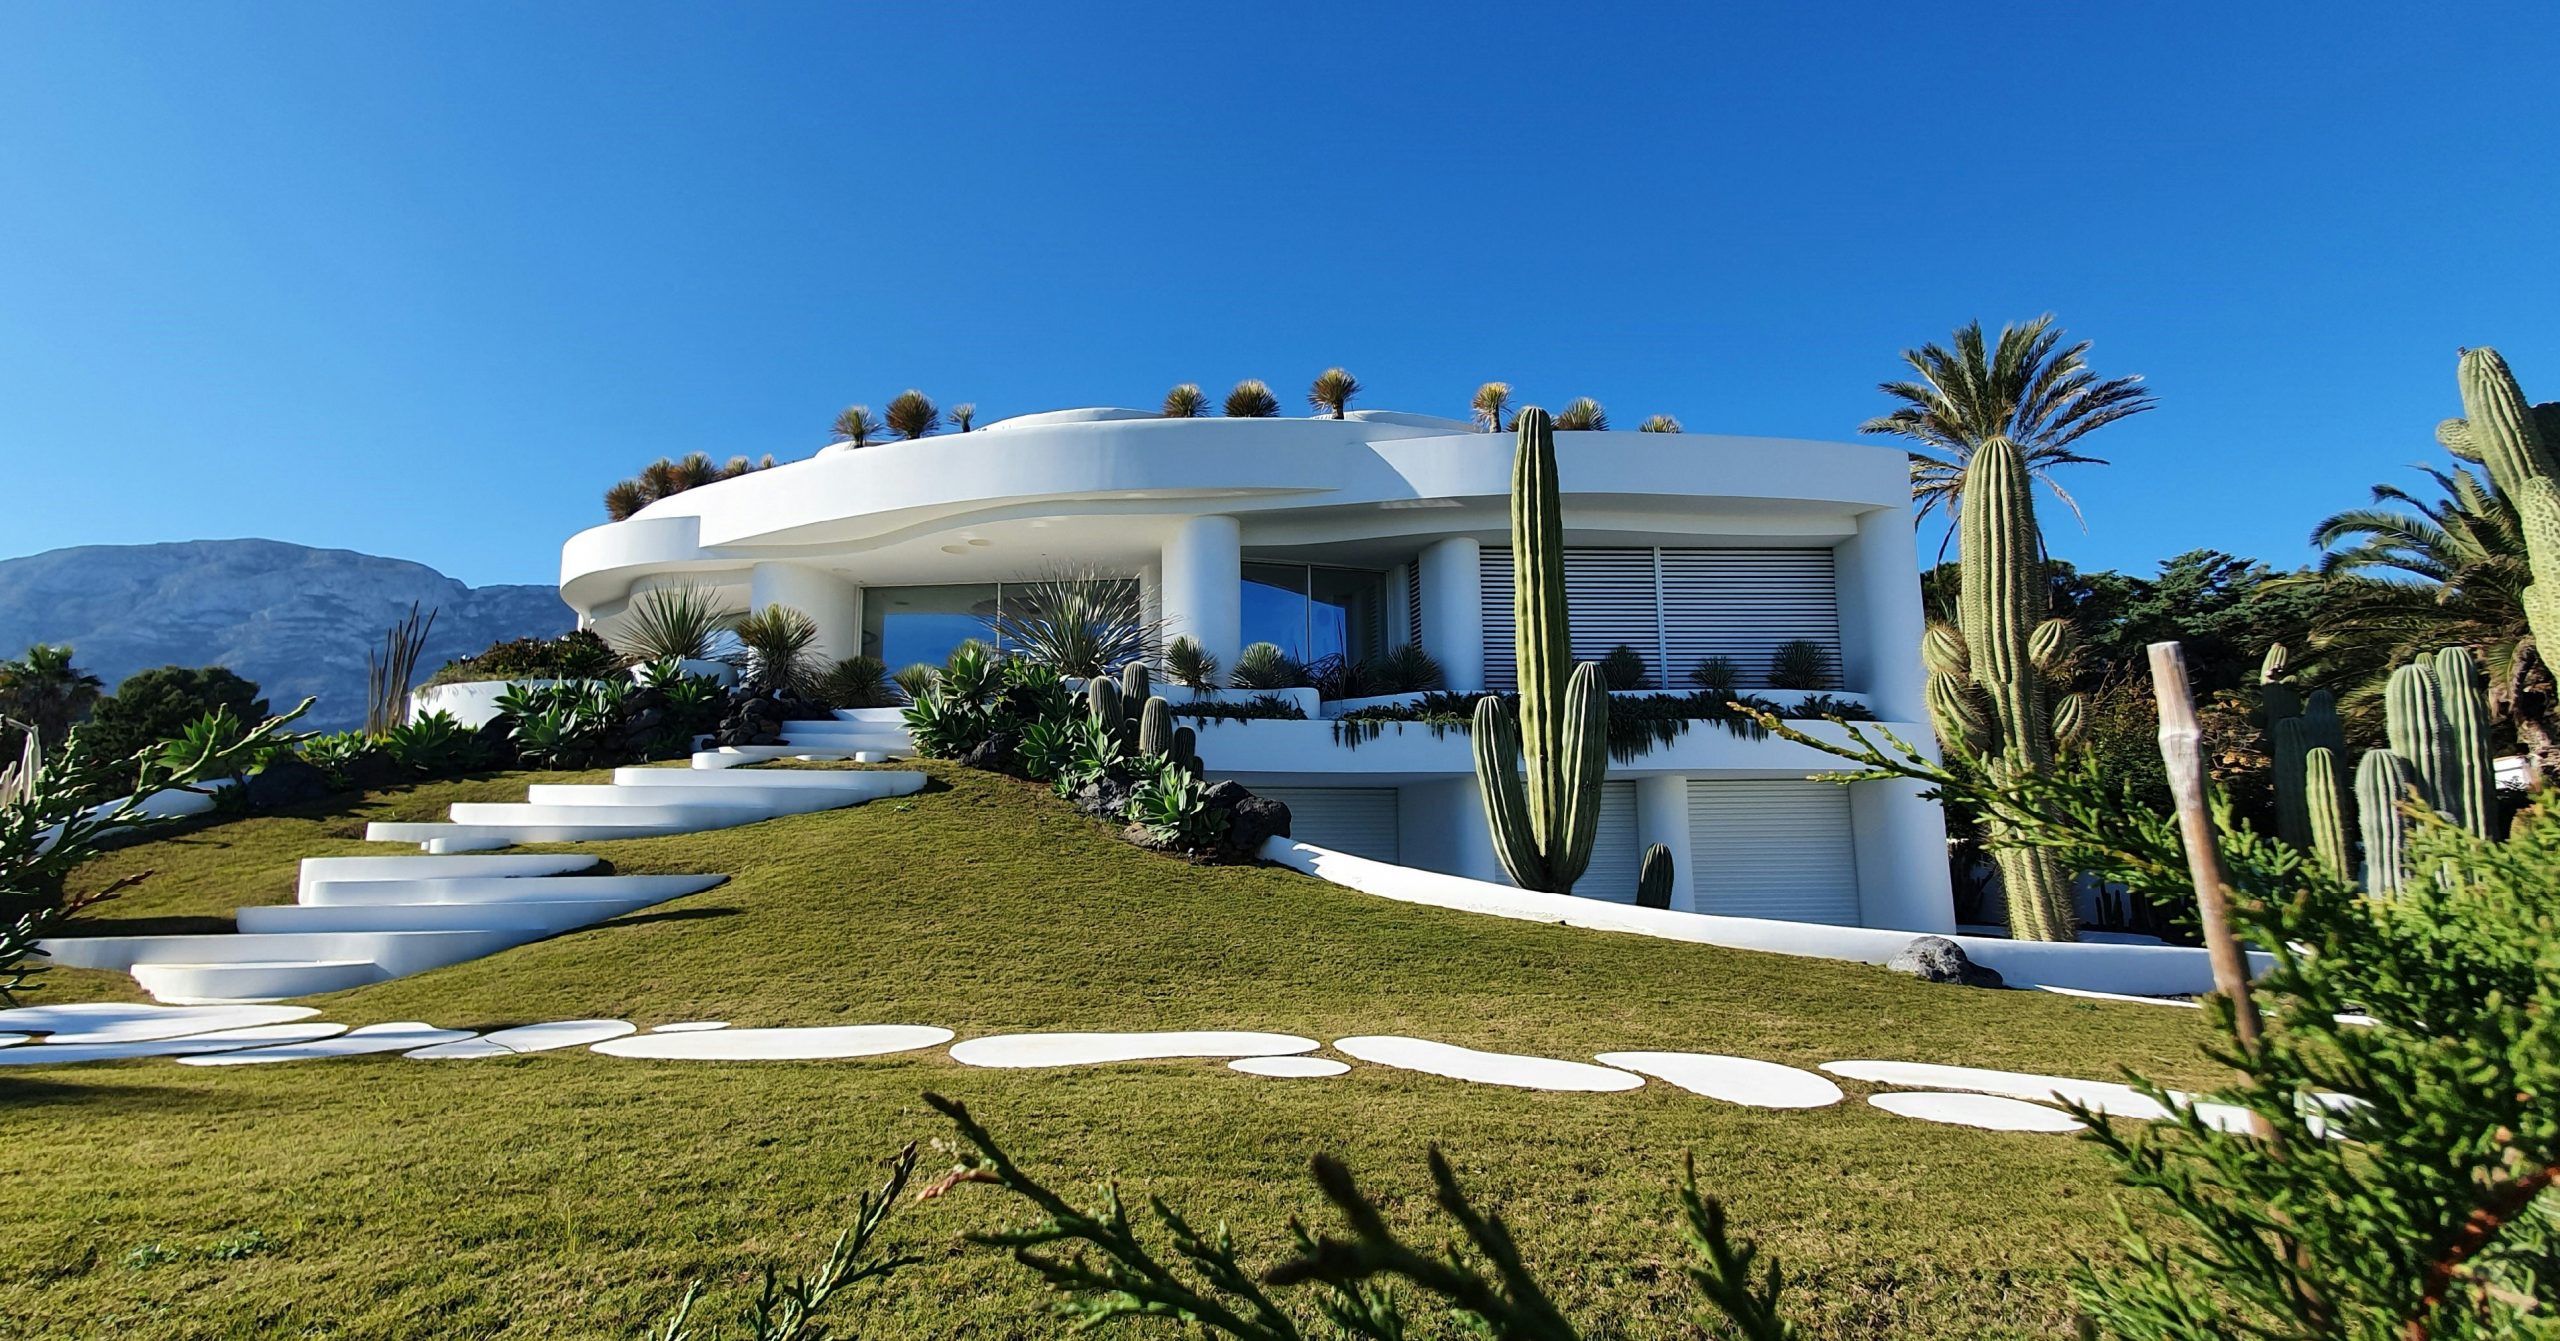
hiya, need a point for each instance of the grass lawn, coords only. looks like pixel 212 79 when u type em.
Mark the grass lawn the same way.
pixel 570 1194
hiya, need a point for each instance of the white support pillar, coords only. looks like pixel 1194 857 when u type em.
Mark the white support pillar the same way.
pixel 1881 621
pixel 1662 816
pixel 1453 611
pixel 1203 585
pixel 833 602
pixel 1901 843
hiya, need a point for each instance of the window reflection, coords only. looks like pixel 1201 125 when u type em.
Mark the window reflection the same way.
pixel 1313 612
pixel 905 625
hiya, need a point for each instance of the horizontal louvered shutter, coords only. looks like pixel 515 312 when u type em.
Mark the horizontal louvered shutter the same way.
pixel 1359 820
pixel 1610 601
pixel 1616 861
pixel 1744 604
pixel 1779 849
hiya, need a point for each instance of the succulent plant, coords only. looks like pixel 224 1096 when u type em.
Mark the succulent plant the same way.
pixel 1186 401
pixel 1332 391
pixel 1653 879
pixel 1582 415
pixel 1488 407
pixel 1660 423
pixel 1252 399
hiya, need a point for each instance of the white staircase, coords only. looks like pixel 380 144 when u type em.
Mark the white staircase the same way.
pixel 864 735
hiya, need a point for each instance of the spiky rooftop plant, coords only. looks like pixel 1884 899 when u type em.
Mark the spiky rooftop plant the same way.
pixel 2021 389
pixel 1186 401
pixel 964 416
pixel 624 500
pixel 681 622
pixel 1252 399
pixel 1491 402
pixel 913 415
pixel 1582 414
pixel 1332 391
pixel 857 425
pixel 1660 423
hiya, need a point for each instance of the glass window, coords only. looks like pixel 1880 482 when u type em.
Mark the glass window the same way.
pixel 1275 607
pixel 1313 613
pixel 905 625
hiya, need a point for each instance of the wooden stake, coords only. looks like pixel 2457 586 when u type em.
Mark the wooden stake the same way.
pixel 2182 750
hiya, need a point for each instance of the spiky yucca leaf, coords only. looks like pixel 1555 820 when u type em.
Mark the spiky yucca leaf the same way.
pixel 912 415
pixel 964 416
pixel 1252 399
pixel 1582 414
pixel 1660 423
pixel 1332 391
pixel 1186 401
pixel 1491 400
pixel 624 500
pixel 857 425
pixel 681 622
pixel 781 645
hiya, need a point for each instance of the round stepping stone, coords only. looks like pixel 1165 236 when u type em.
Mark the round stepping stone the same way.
pixel 1988 1111
pixel 1307 1068
pixel 401 1036
pixel 58 1054
pixel 1485 1068
pixel 133 1022
pixel 1736 1080
pixel 690 1027
pixel 777 1045
pixel 1024 1050
pixel 2098 1096
pixel 529 1038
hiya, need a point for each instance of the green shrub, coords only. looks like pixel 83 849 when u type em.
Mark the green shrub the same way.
pixel 1624 668
pixel 1265 666
pixel 579 654
pixel 152 706
pixel 915 681
pixel 1716 675
pixel 338 755
pixel 1188 665
pixel 1261 707
pixel 857 682
pixel 436 746
pixel 573 724
pixel 1409 670
pixel 1801 664
pixel 1825 705
pixel 1340 677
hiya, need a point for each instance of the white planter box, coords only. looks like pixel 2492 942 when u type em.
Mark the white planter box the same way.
pixel 473 703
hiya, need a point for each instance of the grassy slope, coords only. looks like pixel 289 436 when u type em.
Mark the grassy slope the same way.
pixel 571 1195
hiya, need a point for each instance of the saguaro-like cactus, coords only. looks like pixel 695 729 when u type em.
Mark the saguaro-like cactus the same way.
pixel 1155 727
pixel 2293 803
pixel 2414 722
pixel 2325 811
pixel 1653 881
pixel 2468 791
pixel 2517 442
pixel 2384 781
pixel 1542 829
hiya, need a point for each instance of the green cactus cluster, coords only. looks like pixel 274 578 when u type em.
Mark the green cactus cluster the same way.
pixel 2517 442
pixel 1140 720
pixel 1653 879
pixel 1544 827
pixel 1997 678
pixel 2436 722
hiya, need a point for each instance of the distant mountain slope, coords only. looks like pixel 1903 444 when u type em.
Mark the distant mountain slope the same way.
pixel 295 619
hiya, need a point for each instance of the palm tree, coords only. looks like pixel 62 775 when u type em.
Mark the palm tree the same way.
pixel 46 691
pixel 857 425
pixel 912 415
pixel 1333 390
pixel 1185 402
pixel 964 416
pixel 2022 388
pixel 1252 399
pixel 1660 423
pixel 1491 400
pixel 2401 580
pixel 1582 415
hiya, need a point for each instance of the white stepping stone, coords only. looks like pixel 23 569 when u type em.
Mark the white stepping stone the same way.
pixel 2098 1096
pixel 1305 1068
pixel 1988 1111
pixel 1022 1050
pixel 777 1045
pixel 690 1027
pixel 12 1040
pixel 1735 1080
pixel 1485 1068
pixel 2095 995
pixel 529 1038
pixel 402 1036
pixel 59 1054
pixel 130 1022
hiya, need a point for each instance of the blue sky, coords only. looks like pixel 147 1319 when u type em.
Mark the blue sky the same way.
pixel 422 279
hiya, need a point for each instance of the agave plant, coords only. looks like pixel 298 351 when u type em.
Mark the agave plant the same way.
pixel 1190 665
pixel 1492 400
pixel 1660 423
pixel 1332 391
pixel 1186 401
pixel 1078 623
pixel 912 415
pixel 1252 399
pixel 964 416
pixel 683 623
pixel 857 425
pixel 780 644
pixel 1582 414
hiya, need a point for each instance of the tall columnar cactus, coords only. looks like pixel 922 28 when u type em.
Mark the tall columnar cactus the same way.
pixel 2516 441
pixel 1155 727
pixel 2469 788
pixel 2325 807
pixel 2384 781
pixel 1543 829
pixel 2414 722
pixel 1653 880
pixel 2293 793
pixel 2276 698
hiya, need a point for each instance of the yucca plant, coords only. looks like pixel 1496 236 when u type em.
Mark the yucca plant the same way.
pixel 856 682
pixel 1079 623
pixel 916 681
pixel 624 501
pixel 1188 664
pixel 1332 391
pixel 1800 663
pixel 1660 423
pixel 1491 401
pixel 1186 401
pixel 1265 666
pixel 964 416
pixel 1252 399
pixel 1624 668
pixel 857 425
pixel 1717 675
pixel 1582 414
pixel 780 644
pixel 1410 670
pixel 680 622
pixel 912 415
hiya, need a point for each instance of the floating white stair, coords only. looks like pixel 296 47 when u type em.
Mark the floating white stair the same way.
pixel 342 870
pixel 816 779
pixel 444 839
pixel 765 801
pixel 253 980
pixel 396 952
pixel 540 917
pixel 730 756
pixel 502 889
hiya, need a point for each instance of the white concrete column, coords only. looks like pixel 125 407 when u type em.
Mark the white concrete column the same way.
pixel 1901 843
pixel 1203 585
pixel 833 602
pixel 1881 620
pixel 1453 611
pixel 1662 816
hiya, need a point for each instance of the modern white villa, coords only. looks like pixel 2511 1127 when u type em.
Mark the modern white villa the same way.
pixel 1351 537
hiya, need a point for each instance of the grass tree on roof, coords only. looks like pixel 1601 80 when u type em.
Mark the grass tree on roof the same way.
pixel 912 415
pixel 1490 406
pixel 1332 391
pixel 1660 423
pixel 1186 401
pixel 1252 399
pixel 1582 414
pixel 857 425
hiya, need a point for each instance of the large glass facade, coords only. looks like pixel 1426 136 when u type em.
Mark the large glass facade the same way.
pixel 1313 612
pixel 905 625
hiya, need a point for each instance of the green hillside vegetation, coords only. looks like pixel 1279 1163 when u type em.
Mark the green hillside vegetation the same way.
pixel 573 1195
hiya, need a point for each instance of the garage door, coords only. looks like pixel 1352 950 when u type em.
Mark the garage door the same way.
pixel 1616 861
pixel 1359 820
pixel 1773 849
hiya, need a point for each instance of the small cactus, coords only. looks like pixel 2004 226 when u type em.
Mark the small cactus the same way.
pixel 2070 720
pixel 1186 750
pixel 1155 728
pixel 2051 646
pixel 1134 683
pixel 2276 699
pixel 1962 714
pixel 1942 650
pixel 1653 881
pixel 1102 695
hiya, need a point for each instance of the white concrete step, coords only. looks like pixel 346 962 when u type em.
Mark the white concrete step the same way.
pixel 822 779
pixel 773 800
pixel 701 816
pixel 500 889
pixel 541 917
pixel 867 732
pixel 397 952
pixel 253 980
pixel 343 870
pixel 441 837
pixel 730 756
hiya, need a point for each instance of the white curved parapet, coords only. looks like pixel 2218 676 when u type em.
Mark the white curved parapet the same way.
pixel 2147 970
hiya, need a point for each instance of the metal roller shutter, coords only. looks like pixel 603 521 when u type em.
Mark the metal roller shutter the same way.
pixel 1745 603
pixel 1779 849
pixel 1615 858
pixel 1359 820
pixel 1610 595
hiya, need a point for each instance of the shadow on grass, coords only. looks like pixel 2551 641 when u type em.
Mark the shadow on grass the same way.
pixel 100 924
pixel 18 1092
pixel 670 915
